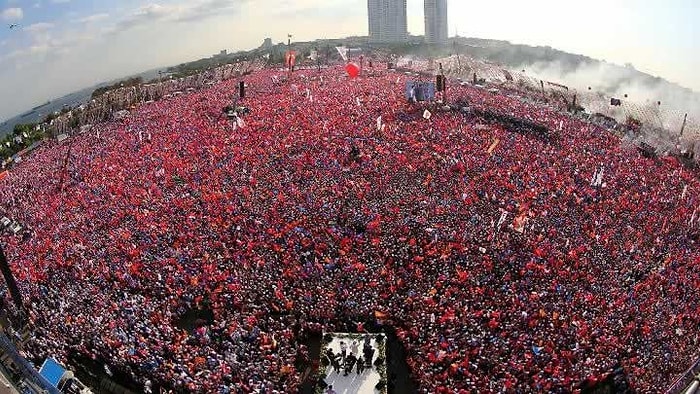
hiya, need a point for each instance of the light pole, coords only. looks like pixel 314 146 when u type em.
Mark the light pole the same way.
pixel 685 120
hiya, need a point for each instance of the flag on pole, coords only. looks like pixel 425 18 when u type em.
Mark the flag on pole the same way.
pixel 519 222
pixel 521 218
pixel 343 51
pixel 502 219
pixel 427 115
pixel 692 219
pixel 597 178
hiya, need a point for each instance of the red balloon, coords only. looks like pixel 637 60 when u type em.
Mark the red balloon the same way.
pixel 353 70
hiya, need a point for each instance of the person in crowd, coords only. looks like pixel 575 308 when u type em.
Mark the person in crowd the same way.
pixel 350 361
pixel 343 349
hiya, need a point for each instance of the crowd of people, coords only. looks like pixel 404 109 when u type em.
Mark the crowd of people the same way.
pixel 505 261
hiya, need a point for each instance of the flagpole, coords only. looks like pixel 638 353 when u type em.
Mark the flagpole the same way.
pixel 289 51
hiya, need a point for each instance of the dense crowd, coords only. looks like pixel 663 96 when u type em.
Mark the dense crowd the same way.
pixel 505 261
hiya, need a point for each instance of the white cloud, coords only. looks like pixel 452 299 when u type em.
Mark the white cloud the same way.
pixel 38 27
pixel 12 14
pixel 93 18
pixel 184 11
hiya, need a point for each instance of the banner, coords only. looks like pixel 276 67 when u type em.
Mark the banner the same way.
pixel 420 91
pixel 290 58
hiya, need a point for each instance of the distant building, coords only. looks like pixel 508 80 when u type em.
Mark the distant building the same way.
pixel 267 44
pixel 387 20
pixel 435 21
pixel 221 54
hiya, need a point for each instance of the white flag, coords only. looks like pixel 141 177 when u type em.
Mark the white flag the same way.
pixel 502 219
pixel 343 51
pixel 599 180
pixel 379 123
pixel 685 190
pixel 427 115
pixel 692 219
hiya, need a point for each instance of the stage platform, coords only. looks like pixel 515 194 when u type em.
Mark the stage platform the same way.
pixel 354 383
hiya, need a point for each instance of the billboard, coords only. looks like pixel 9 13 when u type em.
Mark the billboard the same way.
pixel 420 91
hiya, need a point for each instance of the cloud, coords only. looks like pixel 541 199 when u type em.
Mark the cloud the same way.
pixel 185 11
pixel 93 18
pixel 38 27
pixel 145 15
pixel 12 14
pixel 207 9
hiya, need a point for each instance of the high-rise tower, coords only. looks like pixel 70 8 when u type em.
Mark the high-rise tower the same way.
pixel 387 20
pixel 435 21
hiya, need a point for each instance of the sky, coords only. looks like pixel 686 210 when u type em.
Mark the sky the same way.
pixel 60 46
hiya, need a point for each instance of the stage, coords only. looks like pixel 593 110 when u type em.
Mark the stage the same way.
pixel 354 383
